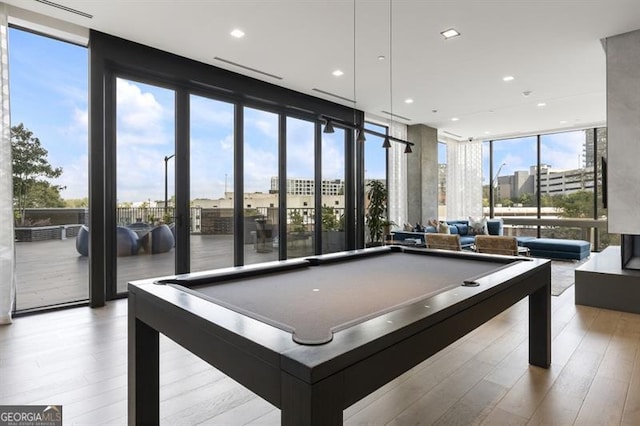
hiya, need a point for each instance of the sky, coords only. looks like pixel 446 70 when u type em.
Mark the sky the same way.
pixel 49 95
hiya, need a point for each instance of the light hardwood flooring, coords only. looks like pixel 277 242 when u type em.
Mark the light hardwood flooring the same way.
pixel 77 358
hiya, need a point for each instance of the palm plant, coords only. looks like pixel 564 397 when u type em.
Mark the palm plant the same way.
pixel 376 217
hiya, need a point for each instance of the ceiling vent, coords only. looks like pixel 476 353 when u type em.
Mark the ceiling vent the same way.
pixel 334 95
pixel 65 8
pixel 396 116
pixel 235 64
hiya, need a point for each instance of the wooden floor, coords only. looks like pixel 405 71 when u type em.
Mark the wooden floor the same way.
pixel 77 358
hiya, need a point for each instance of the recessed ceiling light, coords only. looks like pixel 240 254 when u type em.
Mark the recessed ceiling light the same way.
pixel 563 122
pixel 408 101
pixel 487 132
pixel 542 104
pixel 337 73
pixel 455 119
pixel 237 33
pixel 508 78
pixel 450 33
pixel 381 58
pixel 526 93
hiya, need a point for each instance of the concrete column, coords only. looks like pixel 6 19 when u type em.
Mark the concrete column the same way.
pixel 623 132
pixel 422 174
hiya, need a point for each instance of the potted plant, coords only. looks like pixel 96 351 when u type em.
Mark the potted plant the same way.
pixel 376 217
pixel 332 230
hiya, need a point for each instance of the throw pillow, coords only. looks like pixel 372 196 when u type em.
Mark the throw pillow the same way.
pixel 443 228
pixel 433 222
pixel 478 226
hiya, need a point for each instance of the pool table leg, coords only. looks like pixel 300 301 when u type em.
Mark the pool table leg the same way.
pixel 143 371
pixel 303 404
pixel 540 326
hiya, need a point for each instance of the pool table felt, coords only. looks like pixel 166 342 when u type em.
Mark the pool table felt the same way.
pixel 313 302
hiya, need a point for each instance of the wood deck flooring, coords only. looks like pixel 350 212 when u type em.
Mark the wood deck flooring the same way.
pixel 77 358
pixel 52 272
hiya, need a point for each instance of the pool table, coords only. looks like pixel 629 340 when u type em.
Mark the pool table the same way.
pixel 314 335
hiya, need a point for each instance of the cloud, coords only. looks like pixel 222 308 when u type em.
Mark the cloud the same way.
pixel 210 113
pixel 141 118
pixel 333 156
pixel 75 177
pixel 563 150
pixel 211 159
pixel 300 149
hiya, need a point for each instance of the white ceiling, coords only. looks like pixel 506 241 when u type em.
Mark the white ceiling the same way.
pixel 551 47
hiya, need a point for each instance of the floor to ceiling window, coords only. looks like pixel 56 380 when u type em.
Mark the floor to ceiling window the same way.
pixel 566 183
pixel 514 166
pixel 212 184
pixel 225 139
pixel 333 199
pixel 375 167
pixel 260 193
pixel 49 97
pixel 301 190
pixel 561 184
pixel 145 159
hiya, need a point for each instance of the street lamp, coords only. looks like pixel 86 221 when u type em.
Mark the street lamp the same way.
pixel 166 198
pixel 493 188
pixel 495 178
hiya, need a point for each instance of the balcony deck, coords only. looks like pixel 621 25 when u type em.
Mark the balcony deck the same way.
pixel 52 272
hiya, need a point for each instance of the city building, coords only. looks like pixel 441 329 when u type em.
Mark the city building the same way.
pixel 306 186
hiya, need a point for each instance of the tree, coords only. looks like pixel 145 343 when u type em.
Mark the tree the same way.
pixel 330 222
pixel 577 204
pixel 76 202
pixel 30 169
pixel 297 221
pixel 526 200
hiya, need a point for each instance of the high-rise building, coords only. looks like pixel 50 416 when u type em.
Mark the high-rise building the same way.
pixel 306 186
pixel 588 151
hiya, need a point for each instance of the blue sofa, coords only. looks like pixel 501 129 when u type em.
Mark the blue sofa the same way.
pixel 460 227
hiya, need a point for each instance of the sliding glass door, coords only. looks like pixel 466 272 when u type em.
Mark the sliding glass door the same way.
pixel 145 159
pixel 260 195
pixel 211 219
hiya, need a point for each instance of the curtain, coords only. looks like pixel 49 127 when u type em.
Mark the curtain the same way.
pixel 7 246
pixel 397 166
pixel 464 179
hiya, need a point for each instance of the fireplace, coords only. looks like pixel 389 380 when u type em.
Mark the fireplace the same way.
pixel 630 250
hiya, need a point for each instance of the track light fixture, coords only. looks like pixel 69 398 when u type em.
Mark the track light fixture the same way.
pixel 328 127
pixel 362 131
